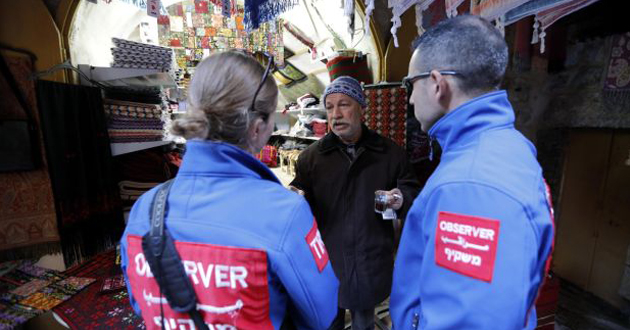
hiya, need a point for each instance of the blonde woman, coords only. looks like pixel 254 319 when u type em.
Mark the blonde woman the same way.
pixel 251 248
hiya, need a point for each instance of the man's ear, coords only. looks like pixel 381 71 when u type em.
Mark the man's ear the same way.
pixel 442 88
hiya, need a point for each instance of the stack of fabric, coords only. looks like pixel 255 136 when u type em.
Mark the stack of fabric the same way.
pixel 27 291
pixel 136 55
pixel 140 171
pixel 133 122
pixel 130 191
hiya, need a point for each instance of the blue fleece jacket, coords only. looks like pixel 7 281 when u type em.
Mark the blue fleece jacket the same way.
pixel 477 239
pixel 224 198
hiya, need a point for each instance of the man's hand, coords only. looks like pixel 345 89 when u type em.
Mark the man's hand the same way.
pixel 396 198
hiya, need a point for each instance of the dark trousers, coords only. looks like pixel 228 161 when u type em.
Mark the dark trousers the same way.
pixel 361 319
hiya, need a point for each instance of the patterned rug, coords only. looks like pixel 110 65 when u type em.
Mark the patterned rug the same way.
pixel 93 309
pixel 28 224
pixel 387 112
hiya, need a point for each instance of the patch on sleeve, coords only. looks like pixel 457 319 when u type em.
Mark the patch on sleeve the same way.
pixel 318 249
pixel 466 244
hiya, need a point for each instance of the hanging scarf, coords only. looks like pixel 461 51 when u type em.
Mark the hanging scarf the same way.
pixel 261 11
pixel 369 8
pixel 399 7
pixel 421 6
pixel 226 4
pixel 531 8
pixel 348 12
pixel 451 7
pixel 493 9
pixel 547 17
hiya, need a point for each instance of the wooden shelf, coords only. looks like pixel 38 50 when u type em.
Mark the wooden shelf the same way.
pixel 123 148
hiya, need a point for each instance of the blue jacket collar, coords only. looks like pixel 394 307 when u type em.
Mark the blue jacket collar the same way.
pixel 466 122
pixel 222 159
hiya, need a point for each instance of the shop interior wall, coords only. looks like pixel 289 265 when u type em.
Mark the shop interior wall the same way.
pixel 32 26
pixel 557 96
pixel 94 26
pixel 28 24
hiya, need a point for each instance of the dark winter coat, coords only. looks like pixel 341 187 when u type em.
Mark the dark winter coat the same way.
pixel 341 195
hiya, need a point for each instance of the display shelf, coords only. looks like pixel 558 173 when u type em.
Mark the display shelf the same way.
pixel 313 138
pixel 307 111
pixel 128 77
pixel 127 147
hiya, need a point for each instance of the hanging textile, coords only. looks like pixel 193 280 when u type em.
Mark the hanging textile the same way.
pixel 261 11
pixel 547 17
pixel 399 7
pixel 492 9
pixel 531 8
pixel 421 6
pixel 289 74
pixel 28 224
pixel 348 12
pixel 617 81
pixel 80 163
pixel 386 111
pixel 451 7
pixel 301 37
pixel 353 66
pixel 369 8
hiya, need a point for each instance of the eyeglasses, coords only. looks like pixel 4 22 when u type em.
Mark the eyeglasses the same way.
pixel 252 108
pixel 409 81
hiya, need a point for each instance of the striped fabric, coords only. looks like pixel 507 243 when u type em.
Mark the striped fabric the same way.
pixel 355 67
pixel 133 122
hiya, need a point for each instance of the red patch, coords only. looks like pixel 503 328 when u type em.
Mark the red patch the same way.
pixel 230 283
pixel 318 249
pixel 467 244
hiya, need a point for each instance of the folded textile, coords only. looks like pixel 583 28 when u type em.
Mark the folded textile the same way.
pixel 148 95
pixel 27 290
pixel 130 54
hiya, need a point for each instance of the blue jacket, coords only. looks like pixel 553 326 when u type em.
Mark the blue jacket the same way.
pixel 477 239
pixel 270 252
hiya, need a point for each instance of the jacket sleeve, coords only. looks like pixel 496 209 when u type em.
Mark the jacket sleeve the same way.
pixel 302 178
pixel 408 184
pixel 312 287
pixel 455 293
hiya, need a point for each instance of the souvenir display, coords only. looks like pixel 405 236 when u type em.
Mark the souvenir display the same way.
pixel 196 29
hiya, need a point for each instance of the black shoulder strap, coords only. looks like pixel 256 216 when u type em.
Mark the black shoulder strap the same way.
pixel 158 208
pixel 166 265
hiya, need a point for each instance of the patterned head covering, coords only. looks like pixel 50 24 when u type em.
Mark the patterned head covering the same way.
pixel 346 85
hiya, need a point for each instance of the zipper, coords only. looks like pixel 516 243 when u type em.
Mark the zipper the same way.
pixel 431 139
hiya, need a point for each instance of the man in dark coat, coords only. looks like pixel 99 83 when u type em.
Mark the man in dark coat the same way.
pixel 339 176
